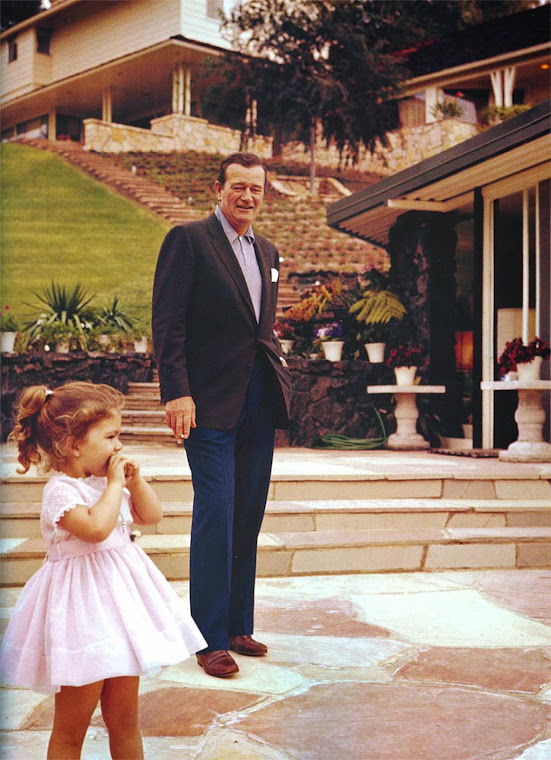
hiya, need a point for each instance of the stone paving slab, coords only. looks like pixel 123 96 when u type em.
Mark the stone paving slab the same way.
pixel 445 666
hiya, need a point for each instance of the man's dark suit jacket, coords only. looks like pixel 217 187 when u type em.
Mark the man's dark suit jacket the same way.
pixel 205 332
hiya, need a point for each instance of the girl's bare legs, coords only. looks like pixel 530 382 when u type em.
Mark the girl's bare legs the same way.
pixel 119 707
pixel 74 706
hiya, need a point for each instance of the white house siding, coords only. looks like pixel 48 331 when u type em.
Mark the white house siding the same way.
pixel 101 32
pixel 195 24
pixel 18 77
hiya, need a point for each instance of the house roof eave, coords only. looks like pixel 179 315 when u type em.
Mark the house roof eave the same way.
pixel 476 68
pixel 346 214
pixel 38 17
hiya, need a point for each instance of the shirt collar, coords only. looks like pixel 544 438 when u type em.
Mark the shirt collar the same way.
pixel 231 234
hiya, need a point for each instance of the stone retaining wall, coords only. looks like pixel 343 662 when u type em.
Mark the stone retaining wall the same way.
pixel 327 397
pixel 174 132
pixel 330 397
pixel 52 369
pixel 406 147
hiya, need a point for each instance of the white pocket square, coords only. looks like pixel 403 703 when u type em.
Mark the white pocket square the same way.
pixel 275 274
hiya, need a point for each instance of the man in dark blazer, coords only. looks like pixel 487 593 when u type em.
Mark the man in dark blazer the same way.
pixel 226 388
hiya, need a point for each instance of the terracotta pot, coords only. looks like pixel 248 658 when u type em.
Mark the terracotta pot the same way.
pixel 530 370
pixel 332 349
pixel 375 352
pixel 7 341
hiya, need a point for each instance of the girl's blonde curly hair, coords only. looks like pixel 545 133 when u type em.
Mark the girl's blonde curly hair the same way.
pixel 45 420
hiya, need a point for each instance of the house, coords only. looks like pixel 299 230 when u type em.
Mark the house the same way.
pixel 501 63
pixel 470 223
pixel 453 82
pixel 116 75
pixel 121 75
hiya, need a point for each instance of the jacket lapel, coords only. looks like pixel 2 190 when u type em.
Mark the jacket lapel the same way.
pixel 225 252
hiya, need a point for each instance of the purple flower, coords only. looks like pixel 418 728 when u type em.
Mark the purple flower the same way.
pixel 330 331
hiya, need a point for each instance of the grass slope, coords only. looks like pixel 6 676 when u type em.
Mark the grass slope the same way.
pixel 59 224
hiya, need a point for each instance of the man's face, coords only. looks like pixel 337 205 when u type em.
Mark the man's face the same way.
pixel 241 196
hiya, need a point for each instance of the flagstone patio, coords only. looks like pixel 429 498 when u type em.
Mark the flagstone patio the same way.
pixel 411 666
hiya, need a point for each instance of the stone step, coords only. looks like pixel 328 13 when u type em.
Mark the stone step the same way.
pixel 22 520
pixel 156 434
pixel 143 417
pixel 175 485
pixel 334 552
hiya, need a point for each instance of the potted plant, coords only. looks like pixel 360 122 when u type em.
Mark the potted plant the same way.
pixel 9 328
pixel 524 359
pixel 404 359
pixel 330 336
pixel 56 335
pixel 375 309
pixel 140 337
pixel 285 333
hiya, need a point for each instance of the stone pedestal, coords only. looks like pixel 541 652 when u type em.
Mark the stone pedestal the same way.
pixel 529 416
pixel 406 436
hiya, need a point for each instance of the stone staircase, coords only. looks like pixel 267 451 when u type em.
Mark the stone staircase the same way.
pixel 150 194
pixel 335 523
pixel 109 172
pixel 143 417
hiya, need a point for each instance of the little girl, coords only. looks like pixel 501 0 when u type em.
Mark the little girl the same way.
pixel 98 614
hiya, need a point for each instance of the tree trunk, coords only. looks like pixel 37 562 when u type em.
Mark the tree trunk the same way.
pixel 313 132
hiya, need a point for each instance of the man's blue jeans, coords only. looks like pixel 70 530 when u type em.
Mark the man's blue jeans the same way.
pixel 230 472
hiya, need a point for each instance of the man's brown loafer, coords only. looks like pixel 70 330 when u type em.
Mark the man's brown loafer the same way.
pixel 248 646
pixel 218 663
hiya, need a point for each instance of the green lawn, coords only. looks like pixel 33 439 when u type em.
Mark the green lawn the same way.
pixel 59 224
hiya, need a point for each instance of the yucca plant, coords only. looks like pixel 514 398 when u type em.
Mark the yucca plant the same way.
pixel 63 306
pixel 113 316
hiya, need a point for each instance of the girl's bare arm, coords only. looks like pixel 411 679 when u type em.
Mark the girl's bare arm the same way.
pixel 146 508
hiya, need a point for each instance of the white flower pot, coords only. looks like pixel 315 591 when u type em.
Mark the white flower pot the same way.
pixel 140 345
pixel 332 349
pixel 405 375
pixel 286 345
pixel 7 341
pixel 375 352
pixel 62 347
pixel 530 370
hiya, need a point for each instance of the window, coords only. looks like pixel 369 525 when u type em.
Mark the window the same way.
pixel 214 7
pixel 43 38
pixel 12 49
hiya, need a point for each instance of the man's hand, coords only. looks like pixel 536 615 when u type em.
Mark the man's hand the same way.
pixel 180 417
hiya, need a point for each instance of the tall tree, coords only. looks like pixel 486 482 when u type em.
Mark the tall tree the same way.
pixel 316 67
pixel 327 66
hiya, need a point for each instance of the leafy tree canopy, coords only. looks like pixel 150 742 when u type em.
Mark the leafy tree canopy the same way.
pixel 14 11
pixel 330 66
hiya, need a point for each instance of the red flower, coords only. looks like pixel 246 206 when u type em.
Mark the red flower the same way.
pixel 517 353
pixel 405 355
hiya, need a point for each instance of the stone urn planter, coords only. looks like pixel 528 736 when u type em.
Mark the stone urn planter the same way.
pixel 7 342
pixel 332 349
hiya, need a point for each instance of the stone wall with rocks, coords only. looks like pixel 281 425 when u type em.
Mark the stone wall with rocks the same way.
pixel 174 132
pixel 52 369
pixel 406 147
pixel 331 397
pixel 328 397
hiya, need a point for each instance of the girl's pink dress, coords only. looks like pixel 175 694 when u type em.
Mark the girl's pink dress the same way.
pixel 93 611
